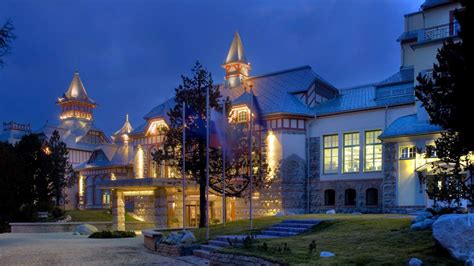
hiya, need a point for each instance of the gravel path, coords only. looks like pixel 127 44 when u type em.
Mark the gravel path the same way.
pixel 67 249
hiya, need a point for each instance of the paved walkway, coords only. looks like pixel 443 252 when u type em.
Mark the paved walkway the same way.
pixel 67 249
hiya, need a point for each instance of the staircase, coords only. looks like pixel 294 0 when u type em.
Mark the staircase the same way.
pixel 286 228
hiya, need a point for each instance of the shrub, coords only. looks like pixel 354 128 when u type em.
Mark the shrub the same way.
pixel 113 234
pixel 57 212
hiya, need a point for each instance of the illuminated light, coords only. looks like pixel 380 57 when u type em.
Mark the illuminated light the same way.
pixel 256 195
pixel 113 177
pixel 173 205
pixel 139 193
pixel 47 150
pixel 272 156
pixel 139 162
pixel 81 185
pixel 156 126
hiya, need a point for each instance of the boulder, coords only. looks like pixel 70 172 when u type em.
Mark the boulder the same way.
pixel 455 233
pixel 425 224
pixel 326 254
pixel 188 237
pixel 415 262
pixel 85 229
pixel 331 212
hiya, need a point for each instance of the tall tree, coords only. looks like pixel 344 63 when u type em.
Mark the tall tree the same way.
pixel 192 91
pixel 447 97
pixel 6 38
pixel 61 174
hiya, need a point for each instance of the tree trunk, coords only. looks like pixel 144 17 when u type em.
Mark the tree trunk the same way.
pixel 202 200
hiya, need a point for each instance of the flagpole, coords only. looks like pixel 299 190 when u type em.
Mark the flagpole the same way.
pixel 207 162
pixel 224 203
pixel 184 165
pixel 250 156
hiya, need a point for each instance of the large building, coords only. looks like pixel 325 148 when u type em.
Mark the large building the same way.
pixel 350 149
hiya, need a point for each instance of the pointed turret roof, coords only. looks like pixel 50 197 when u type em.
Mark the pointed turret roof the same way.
pixel 126 128
pixel 76 91
pixel 236 52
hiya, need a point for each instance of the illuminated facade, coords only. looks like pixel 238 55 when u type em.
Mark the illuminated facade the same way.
pixel 350 149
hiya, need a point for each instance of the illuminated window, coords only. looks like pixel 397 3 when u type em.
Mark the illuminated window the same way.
pixel 106 197
pixel 156 127
pixel 331 157
pixel 373 151
pixel 407 153
pixel 351 152
pixel 242 116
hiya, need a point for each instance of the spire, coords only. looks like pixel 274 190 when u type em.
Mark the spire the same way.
pixel 75 103
pixel 236 65
pixel 76 90
pixel 126 128
pixel 236 51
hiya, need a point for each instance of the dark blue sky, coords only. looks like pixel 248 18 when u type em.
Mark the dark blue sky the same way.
pixel 130 54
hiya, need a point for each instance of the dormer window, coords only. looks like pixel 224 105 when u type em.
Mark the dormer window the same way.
pixel 156 127
pixel 240 114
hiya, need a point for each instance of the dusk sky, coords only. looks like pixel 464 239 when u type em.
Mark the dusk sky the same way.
pixel 130 54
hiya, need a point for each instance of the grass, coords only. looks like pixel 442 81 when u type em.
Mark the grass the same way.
pixel 95 216
pixel 355 239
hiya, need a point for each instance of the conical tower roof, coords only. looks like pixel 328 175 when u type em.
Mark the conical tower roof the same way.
pixel 76 91
pixel 126 128
pixel 236 52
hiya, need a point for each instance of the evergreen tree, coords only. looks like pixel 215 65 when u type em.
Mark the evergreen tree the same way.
pixel 192 91
pixel 447 98
pixel 61 174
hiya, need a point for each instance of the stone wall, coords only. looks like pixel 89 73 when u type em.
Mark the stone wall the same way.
pixel 340 186
pixel 314 172
pixel 390 162
pixel 70 226
pixel 293 174
pixel 229 259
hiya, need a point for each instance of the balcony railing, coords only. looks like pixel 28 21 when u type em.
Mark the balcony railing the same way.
pixel 439 32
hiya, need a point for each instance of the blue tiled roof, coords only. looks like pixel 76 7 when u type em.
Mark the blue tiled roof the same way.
pixel 434 3
pixel 274 91
pixel 365 97
pixel 407 126
pixel 161 110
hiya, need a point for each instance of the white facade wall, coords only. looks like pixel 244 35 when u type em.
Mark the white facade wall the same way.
pixel 354 122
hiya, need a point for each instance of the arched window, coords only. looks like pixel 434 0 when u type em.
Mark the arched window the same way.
pixel 350 197
pixel 371 197
pixel 330 197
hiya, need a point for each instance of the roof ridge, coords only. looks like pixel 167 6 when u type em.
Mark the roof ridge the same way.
pixel 359 86
pixel 280 72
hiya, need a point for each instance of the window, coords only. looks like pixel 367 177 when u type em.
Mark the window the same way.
pixel 350 197
pixel 330 197
pixel 407 153
pixel 106 197
pixel 371 197
pixel 351 152
pixel 242 116
pixel 331 156
pixel 373 151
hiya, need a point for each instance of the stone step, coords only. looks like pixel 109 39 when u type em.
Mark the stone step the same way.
pixel 307 226
pixel 201 253
pixel 301 221
pixel 278 233
pixel 210 247
pixel 288 229
pixel 218 243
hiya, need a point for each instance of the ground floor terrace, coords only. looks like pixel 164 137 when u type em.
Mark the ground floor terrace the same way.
pixel 160 201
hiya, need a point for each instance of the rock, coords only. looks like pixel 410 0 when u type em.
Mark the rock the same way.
pixel 428 223
pixel 326 254
pixel 331 212
pixel 188 237
pixel 455 233
pixel 415 262
pixel 280 213
pixel 469 262
pixel 356 213
pixel 85 229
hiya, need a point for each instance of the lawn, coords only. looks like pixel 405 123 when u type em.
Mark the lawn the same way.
pixel 355 239
pixel 95 216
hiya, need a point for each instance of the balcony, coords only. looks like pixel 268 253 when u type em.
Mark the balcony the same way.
pixel 438 32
